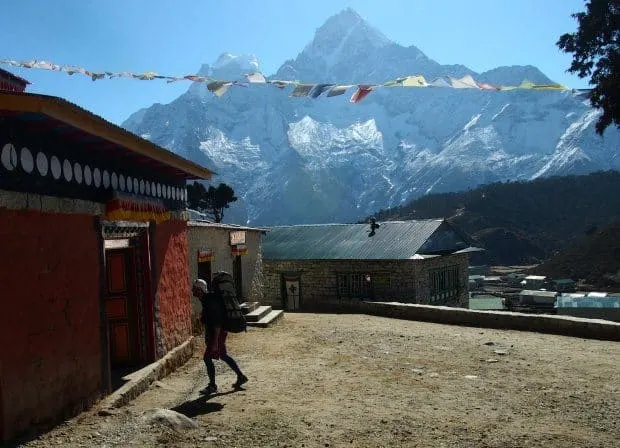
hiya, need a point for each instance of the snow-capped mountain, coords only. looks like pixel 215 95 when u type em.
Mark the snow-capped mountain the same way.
pixel 302 160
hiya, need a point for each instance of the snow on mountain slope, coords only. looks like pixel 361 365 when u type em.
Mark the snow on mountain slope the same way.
pixel 301 160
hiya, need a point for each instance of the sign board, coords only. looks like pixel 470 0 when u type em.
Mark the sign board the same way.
pixel 205 255
pixel 237 237
pixel 239 249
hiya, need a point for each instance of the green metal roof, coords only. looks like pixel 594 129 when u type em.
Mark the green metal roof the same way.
pixel 393 240
pixel 486 303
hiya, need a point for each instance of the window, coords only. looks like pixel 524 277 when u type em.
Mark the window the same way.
pixel 444 284
pixel 355 285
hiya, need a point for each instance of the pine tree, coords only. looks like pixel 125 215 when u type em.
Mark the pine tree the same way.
pixel 211 201
pixel 596 53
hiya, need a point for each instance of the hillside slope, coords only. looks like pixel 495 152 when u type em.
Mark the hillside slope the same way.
pixel 595 259
pixel 524 222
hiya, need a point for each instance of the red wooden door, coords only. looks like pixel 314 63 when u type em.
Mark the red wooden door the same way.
pixel 120 306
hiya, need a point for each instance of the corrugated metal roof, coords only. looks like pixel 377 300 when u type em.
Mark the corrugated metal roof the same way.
pixel 393 240
pixel 529 292
pixel 592 302
pixel 197 223
pixel 486 303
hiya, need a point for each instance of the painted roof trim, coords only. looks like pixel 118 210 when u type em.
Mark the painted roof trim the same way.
pixel 71 114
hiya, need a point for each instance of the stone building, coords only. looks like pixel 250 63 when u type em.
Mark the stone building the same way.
pixel 93 239
pixel 217 247
pixel 308 266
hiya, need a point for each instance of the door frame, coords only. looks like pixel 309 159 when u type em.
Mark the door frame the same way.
pixel 238 277
pixel 140 236
pixel 290 276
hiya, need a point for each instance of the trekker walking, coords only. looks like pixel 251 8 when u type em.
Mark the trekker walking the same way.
pixel 214 319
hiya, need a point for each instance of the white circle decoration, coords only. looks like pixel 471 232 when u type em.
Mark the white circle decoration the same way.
pixel 164 192
pixel 77 172
pixel 42 164
pixel 159 190
pixel 67 170
pixel 88 175
pixel 97 177
pixel 153 189
pixel 185 191
pixel 147 188
pixel 27 160
pixel 129 184
pixel 169 192
pixel 174 193
pixel 136 185
pixel 106 179
pixel 114 179
pixel 142 186
pixel 56 168
pixel 121 182
pixel 9 157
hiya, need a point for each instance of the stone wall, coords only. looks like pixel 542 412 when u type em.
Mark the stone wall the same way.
pixel 217 238
pixel 541 323
pixel 409 279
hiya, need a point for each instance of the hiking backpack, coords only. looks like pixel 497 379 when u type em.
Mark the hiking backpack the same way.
pixel 224 286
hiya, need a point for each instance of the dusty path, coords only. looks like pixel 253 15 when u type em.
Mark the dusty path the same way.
pixel 360 381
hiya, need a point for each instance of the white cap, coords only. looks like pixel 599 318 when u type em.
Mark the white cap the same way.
pixel 201 284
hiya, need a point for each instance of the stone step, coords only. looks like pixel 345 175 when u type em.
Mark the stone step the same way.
pixel 271 318
pixel 248 307
pixel 257 314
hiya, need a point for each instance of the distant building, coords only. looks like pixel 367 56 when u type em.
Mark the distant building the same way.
pixel 514 278
pixel 563 285
pixel 217 247
pixel 589 307
pixel 486 302
pixel 534 281
pixel 403 261
pixel 476 282
pixel 492 280
pixel 535 298
pixel 479 270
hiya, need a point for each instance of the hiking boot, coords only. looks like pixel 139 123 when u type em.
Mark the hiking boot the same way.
pixel 241 380
pixel 210 389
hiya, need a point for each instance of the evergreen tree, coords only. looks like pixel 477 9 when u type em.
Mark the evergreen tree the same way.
pixel 211 201
pixel 596 53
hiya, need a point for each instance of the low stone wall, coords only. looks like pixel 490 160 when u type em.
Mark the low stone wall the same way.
pixel 541 323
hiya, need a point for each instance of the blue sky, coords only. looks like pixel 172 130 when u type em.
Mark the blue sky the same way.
pixel 174 37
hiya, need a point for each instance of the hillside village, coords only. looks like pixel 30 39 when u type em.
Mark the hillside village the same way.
pixel 475 316
pixel 136 234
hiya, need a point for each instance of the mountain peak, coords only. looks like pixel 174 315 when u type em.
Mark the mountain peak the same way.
pixel 229 66
pixel 345 26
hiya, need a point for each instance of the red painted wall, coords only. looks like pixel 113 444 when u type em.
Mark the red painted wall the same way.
pixel 50 352
pixel 172 289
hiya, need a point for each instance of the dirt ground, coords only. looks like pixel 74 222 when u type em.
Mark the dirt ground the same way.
pixel 361 381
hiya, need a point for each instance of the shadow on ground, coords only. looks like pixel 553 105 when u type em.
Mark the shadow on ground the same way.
pixel 200 405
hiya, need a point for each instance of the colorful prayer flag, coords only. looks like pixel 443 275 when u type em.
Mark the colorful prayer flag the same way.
pixel 361 93
pixel 338 90
pixel 302 90
pixel 256 78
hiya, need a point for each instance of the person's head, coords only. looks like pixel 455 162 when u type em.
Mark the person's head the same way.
pixel 199 288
